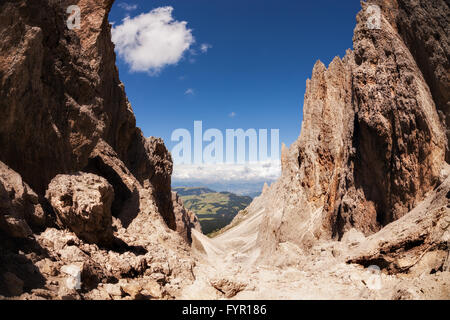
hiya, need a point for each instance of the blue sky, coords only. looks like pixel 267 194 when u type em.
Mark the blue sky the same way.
pixel 253 75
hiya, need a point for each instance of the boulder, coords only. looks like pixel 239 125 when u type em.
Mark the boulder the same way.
pixel 82 204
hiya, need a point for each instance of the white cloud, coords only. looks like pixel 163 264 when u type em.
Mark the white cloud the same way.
pixel 127 7
pixel 205 47
pixel 219 173
pixel 151 41
pixel 232 114
pixel 189 91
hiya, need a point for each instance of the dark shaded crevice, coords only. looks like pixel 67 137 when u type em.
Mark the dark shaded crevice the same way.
pixel 426 47
pixel 338 225
pixel 381 218
pixel 130 209
pixel 379 262
pixel 121 191
pixel 67 200
pixel 413 244
pixel 126 203
pixel 13 259
pixel 369 174
pixel 120 246
pixel 166 209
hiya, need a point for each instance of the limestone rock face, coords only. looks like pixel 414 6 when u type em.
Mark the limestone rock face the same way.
pixel 313 165
pixel 82 204
pixel 424 28
pixel 19 205
pixel 399 140
pixel 374 133
pixel 186 219
pixel 66 119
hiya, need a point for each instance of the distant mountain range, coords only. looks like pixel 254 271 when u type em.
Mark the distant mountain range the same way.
pixel 251 189
pixel 215 210
pixel 192 191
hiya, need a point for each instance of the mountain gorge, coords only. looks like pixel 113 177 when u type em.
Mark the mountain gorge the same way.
pixel 366 185
pixel 84 196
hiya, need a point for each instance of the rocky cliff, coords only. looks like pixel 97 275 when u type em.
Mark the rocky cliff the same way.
pixel 366 185
pixel 79 183
pixel 374 133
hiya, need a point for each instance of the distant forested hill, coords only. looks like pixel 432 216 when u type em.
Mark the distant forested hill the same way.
pixel 215 210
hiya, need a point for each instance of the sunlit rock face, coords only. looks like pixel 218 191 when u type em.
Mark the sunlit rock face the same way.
pixel 374 131
pixel 61 97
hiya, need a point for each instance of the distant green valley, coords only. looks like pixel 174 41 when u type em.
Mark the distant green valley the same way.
pixel 215 210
